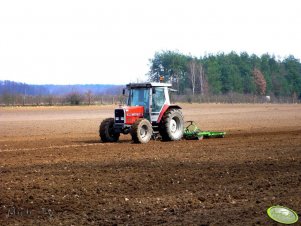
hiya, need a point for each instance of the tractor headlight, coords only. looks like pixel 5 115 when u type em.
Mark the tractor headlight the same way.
pixel 116 118
pixel 122 118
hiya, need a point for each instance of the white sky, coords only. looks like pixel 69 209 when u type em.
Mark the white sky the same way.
pixel 110 42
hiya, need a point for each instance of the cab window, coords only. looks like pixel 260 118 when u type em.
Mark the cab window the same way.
pixel 158 99
pixel 139 97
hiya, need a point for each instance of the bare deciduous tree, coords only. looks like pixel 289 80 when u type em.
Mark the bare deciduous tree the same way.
pixel 201 74
pixel 89 95
pixel 259 81
pixel 192 65
pixel 196 71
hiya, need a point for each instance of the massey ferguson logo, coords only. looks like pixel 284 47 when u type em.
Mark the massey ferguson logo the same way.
pixel 134 114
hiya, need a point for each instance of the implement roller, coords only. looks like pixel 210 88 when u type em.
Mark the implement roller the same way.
pixel 192 132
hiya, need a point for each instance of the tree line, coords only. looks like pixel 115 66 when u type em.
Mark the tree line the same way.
pixel 16 93
pixel 223 74
pixel 12 87
pixel 221 77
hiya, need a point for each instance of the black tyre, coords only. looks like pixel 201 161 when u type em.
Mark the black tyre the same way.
pixel 172 125
pixel 106 131
pixel 141 131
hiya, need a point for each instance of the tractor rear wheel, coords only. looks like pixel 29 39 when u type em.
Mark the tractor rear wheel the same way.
pixel 172 125
pixel 141 131
pixel 106 131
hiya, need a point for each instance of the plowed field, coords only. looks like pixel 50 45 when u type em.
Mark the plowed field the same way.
pixel 54 170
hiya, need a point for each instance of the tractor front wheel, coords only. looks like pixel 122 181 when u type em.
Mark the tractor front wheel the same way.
pixel 106 131
pixel 172 125
pixel 141 131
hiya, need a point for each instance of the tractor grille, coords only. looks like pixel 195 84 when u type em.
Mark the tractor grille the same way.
pixel 119 116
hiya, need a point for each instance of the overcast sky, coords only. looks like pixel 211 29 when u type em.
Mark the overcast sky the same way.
pixel 111 42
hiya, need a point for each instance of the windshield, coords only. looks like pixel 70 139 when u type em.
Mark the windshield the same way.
pixel 139 97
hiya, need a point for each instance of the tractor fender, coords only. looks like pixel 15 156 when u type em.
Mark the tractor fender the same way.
pixel 165 108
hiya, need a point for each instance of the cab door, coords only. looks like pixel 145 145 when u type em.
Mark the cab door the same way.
pixel 157 102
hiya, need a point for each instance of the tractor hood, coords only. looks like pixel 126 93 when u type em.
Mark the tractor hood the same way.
pixel 132 113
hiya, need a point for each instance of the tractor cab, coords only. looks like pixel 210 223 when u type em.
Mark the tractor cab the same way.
pixel 151 96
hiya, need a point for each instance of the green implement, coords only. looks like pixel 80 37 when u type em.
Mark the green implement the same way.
pixel 192 132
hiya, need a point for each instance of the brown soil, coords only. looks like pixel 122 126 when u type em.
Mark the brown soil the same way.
pixel 54 170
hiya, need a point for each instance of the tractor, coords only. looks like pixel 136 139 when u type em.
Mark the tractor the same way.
pixel 147 114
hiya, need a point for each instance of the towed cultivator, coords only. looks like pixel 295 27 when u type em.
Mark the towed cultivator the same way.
pixel 192 132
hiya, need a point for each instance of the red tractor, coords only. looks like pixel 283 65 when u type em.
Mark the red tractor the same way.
pixel 148 114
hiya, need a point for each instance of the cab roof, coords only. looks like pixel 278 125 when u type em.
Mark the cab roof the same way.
pixel 147 85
